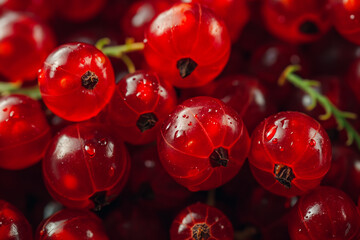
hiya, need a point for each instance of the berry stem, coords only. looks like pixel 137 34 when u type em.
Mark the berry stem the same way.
pixel 330 109
pixel 7 88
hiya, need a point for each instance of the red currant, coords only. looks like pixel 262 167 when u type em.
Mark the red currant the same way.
pixel 203 143
pixel 85 166
pixel 78 10
pixel 187 45
pixel 325 213
pixel 139 105
pixel 24 132
pixel 296 21
pixel 283 147
pixel 40 8
pixel 24 44
pixel 200 221
pixel 76 81
pixel 13 224
pixel 71 224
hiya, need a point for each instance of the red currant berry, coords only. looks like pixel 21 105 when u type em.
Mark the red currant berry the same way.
pixel 13 224
pixel 85 166
pixel 325 213
pixel 24 44
pixel 24 132
pixel 76 81
pixel 203 143
pixel 296 21
pixel 139 105
pixel 188 45
pixel 346 18
pixel 78 10
pixel 227 10
pixel 40 8
pixel 71 224
pixel 283 147
pixel 201 222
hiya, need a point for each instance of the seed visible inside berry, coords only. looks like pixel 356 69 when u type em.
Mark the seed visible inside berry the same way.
pixel 186 66
pixel 284 175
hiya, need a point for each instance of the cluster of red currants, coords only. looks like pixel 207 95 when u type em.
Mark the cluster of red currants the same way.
pixel 159 153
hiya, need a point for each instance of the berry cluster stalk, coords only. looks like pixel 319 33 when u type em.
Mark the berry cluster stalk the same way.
pixel 305 85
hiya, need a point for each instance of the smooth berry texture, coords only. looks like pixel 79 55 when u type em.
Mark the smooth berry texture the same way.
pixel 283 147
pixel 25 42
pixel 203 143
pixel 40 8
pixel 325 213
pixel 201 222
pixel 139 105
pixel 71 224
pixel 24 132
pixel 296 21
pixel 78 10
pixel 85 166
pixel 76 81
pixel 188 45
pixel 13 224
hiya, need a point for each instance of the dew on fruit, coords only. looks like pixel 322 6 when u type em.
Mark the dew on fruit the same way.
pixel 190 123
pixel 275 140
pixel 111 171
pixel 312 143
pixel 90 150
pixel 5 109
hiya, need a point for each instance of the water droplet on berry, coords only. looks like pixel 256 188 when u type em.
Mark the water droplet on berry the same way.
pixel 184 116
pixel 270 133
pixel 5 109
pixel 90 150
pixel 275 140
pixel 11 113
pixel 42 232
pixel 281 148
pixel 111 171
pixel 103 142
pixel 190 123
pixel 312 143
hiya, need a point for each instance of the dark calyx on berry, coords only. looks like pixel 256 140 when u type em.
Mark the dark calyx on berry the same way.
pixel 201 231
pixel 309 28
pixel 219 157
pixel 186 66
pixel 99 200
pixel 284 175
pixel 146 121
pixel 89 80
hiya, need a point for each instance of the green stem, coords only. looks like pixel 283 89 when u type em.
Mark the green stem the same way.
pixel 330 109
pixel 16 88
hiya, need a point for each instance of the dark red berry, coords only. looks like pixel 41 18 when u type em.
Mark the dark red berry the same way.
pixel 78 10
pixel 40 8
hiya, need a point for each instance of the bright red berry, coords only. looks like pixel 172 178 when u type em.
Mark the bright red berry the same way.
pixel 283 147
pixel 76 81
pixel 71 224
pixel 78 10
pixel 85 166
pixel 24 44
pixel 187 45
pixel 199 222
pixel 296 21
pixel 139 105
pixel 203 143
pixel 13 224
pixel 325 213
pixel 24 132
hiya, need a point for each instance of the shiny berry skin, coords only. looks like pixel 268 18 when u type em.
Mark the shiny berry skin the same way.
pixel 76 81
pixel 78 10
pixel 187 45
pixel 139 105
pixel 227 10
pixel 24 44
pixel 346 18
pixel 296 21
pixel 290 153
pixel 24 132
pixel 85 166
pixel 71 224
pixel 203 143
pixel 201 222
pixel 324 213
pixel 13 224
pixel 40 8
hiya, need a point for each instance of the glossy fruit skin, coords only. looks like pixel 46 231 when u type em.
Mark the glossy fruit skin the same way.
pixel 227 10
pixel 72 224
pixel 187 31
pixel 217 224
pixel 24 132
pixel 296 21
pixel 137 95
pixel 62 86
pixel 78 10
pixel 25 42
pixel 40 8
pixel 345 17
pixel 85 166
pixel 200 129
pixel 324 213
pixel 13 224
pixel 293 140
